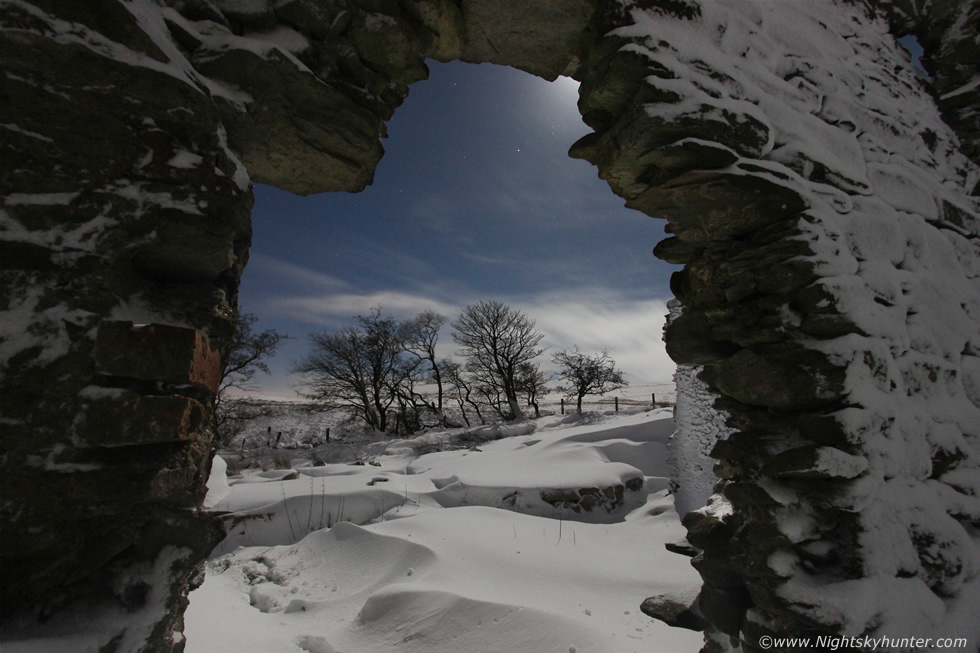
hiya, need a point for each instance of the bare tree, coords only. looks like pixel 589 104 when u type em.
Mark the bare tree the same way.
pixel 460 388
pixel 587 374
pixel 412 405
pixel 247 355
pixel 357 369
pixel 532 383
pixel 495 339
pixel 420 338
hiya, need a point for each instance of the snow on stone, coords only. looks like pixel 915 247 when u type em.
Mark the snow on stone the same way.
pixel 285 38
pixel 185 159
pixel 82 628
pixel 48 333
pixel 854 131
pixel 16 129
pixel 217 484
pixel 144 198
pixel 240 176
pixel 149 16
pixel 699 427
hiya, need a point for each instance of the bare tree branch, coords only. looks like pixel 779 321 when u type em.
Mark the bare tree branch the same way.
pixel 496 339
pixel 246 357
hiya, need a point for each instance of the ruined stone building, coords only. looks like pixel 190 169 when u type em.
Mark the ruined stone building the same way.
pixel 821 193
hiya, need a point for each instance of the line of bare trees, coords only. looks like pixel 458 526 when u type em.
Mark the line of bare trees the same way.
pixel 386 372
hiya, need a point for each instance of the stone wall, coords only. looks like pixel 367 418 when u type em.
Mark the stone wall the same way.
pixel 827 220
pixel 131 132
pixel 833 312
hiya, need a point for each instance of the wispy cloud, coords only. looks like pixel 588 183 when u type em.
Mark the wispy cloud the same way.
pixel 331 310
pixel 305 296
pixel 545 195
pixel 593 317
pixel 598 319
pixel 440 214
pixel 294 275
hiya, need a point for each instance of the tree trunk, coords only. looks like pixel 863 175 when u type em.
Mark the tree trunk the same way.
pixel 515 408
pixel 438 379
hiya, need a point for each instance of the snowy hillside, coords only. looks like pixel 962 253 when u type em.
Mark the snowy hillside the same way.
pixel 543 541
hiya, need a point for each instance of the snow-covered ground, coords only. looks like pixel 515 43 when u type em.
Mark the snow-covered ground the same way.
pixel 488 548
pixel 302 422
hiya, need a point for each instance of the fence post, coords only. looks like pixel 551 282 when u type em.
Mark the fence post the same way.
pixel 616 401
pixel 562 405
pixel 653 399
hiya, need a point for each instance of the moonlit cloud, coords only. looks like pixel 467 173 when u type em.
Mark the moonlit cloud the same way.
pixel 598 319
pixel 545 197
pixel 439 213
pixel 295 275
pixel 594 318
pixel 334 309
pixel 314 299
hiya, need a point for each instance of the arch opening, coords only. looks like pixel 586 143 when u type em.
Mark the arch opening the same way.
pixel 476 198
pixel 825 214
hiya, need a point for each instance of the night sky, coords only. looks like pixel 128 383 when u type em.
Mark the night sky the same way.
pixel 475 199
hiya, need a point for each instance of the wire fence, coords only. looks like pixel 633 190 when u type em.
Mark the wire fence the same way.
pixel 298 424
pixel 632 398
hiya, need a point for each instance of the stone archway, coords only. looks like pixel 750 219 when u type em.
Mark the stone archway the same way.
pixel 132 129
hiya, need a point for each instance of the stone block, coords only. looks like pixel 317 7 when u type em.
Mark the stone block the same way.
pixel 704 207
pixel 707 530
pixel 542 37
pixel 815 463
pixel 111 418
pixel 784 378
pixel 156 352
pixel 724 608
pixel 300 134
pixel 677 609
pixel 388 45
pixel 182 250
pixel 444 20
pixel 676 251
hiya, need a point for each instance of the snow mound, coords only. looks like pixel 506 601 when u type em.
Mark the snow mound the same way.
pixel 411 618
pixel 435 573
pixel 286 511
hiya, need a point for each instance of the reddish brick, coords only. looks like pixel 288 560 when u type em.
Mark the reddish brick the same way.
pixel 157 352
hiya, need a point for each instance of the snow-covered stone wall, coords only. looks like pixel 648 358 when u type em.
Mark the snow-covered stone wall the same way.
pixel 827 218
pixel 131 131
pixel 825 211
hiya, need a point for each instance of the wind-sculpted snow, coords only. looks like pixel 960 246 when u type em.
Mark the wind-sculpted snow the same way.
pixel 549 475
pixel 438 576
